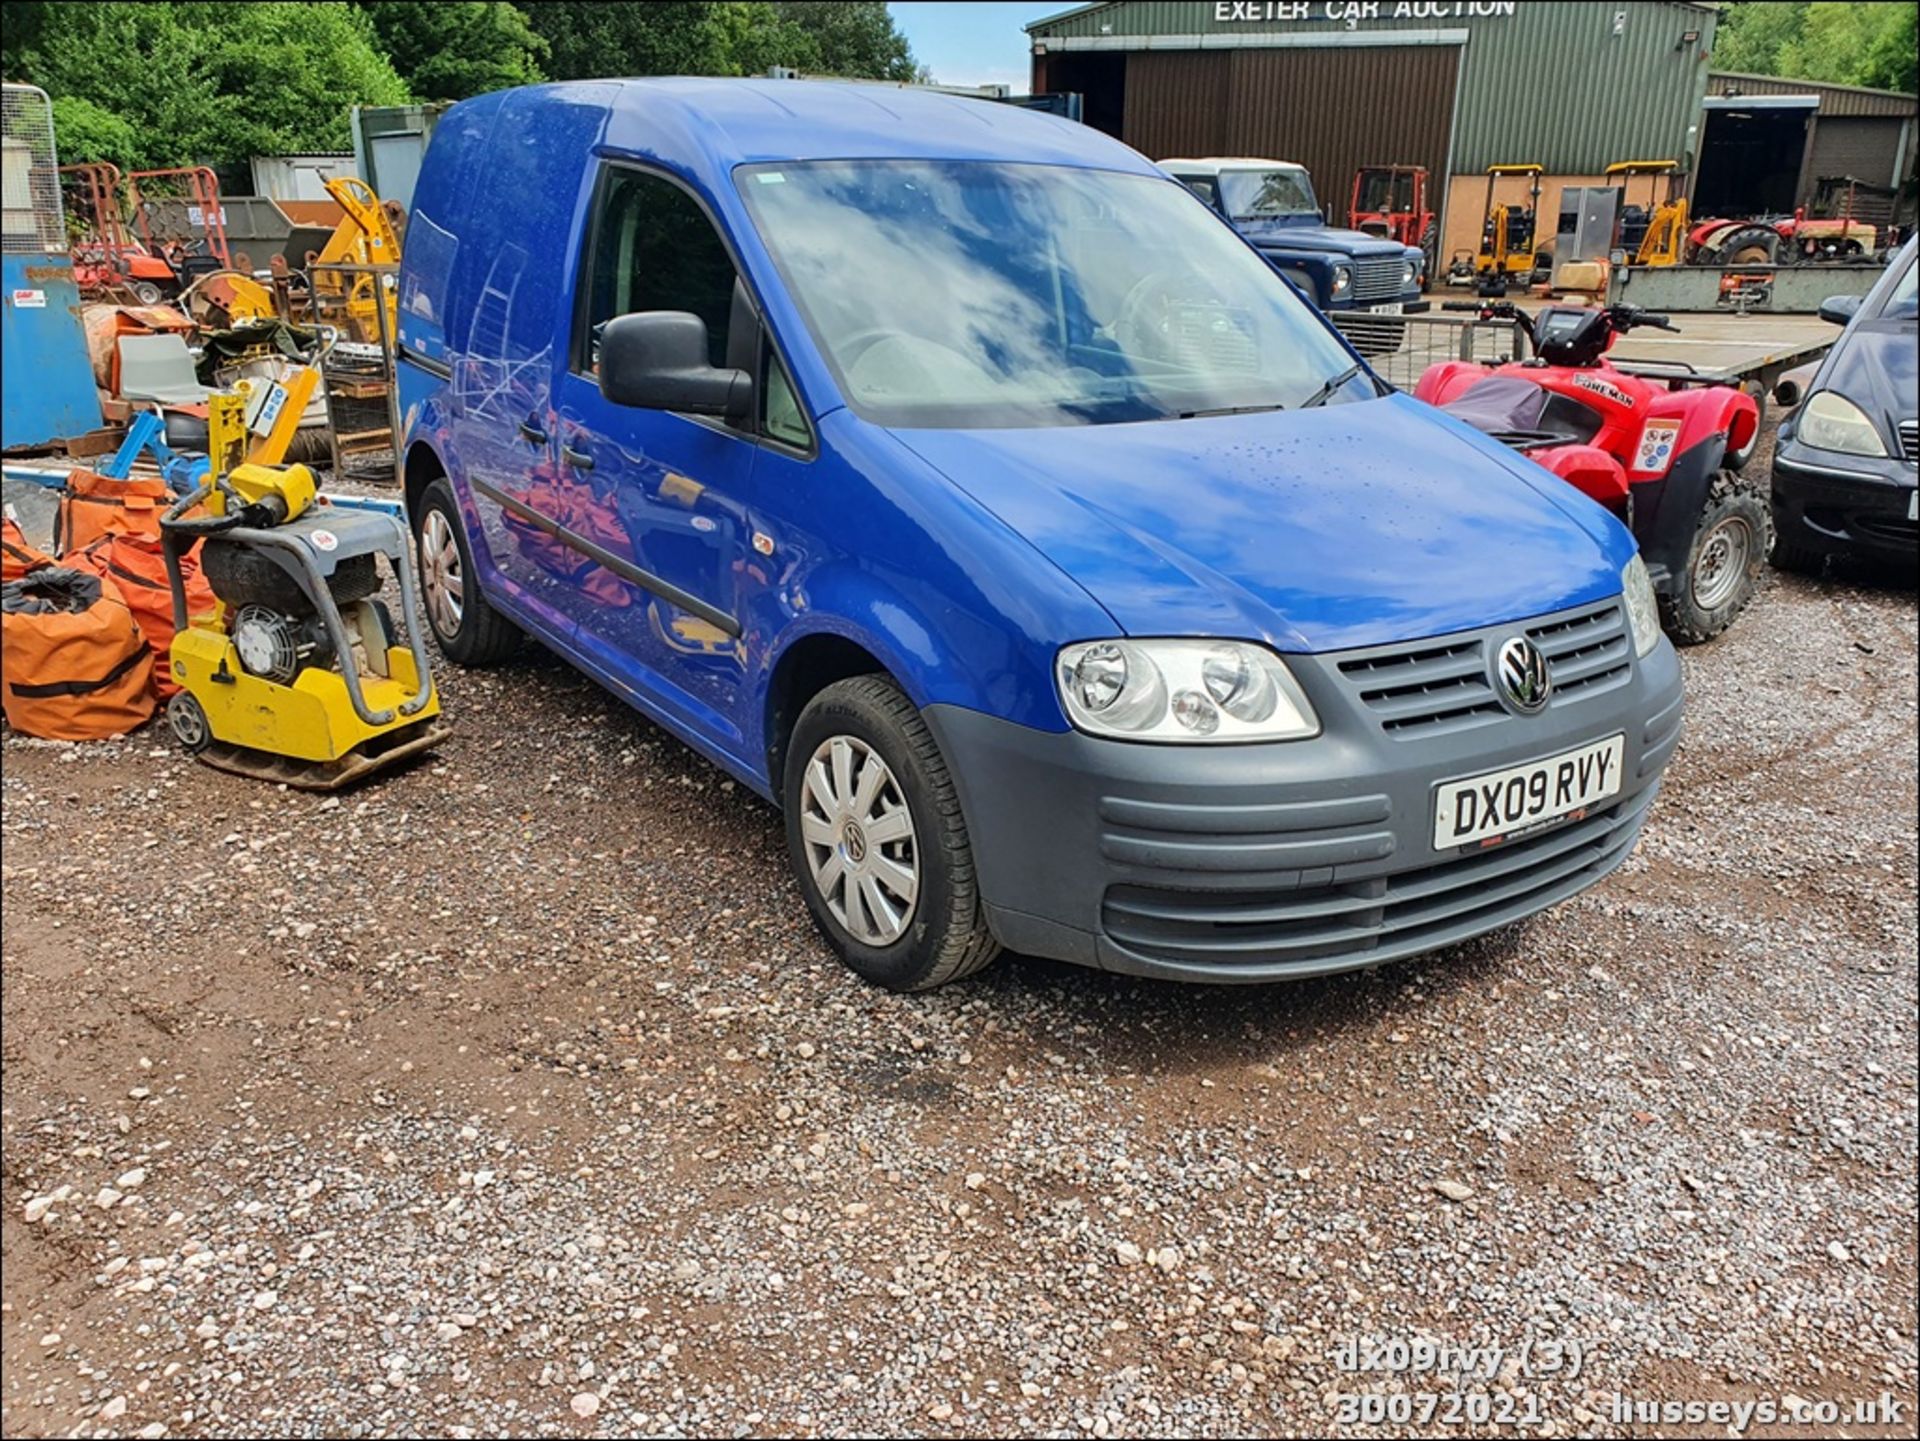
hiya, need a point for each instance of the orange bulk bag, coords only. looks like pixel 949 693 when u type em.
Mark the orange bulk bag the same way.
pixel 18 555
pixel 95 505
pixel 73 664
pixel 137 565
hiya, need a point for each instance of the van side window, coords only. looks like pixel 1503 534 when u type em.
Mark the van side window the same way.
pixel 783 420
pixel 653 248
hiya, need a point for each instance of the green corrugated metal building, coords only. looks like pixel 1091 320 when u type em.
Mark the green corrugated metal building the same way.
pixel 1455 85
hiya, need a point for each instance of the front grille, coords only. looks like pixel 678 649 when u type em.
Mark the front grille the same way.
pixel 1437 686
pixel 1379 277
pixel 1215 337
pixel 1910 439
pixel 1377 918
pixel 1587 653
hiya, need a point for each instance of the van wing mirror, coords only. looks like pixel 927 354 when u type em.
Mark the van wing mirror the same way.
pixel 657 360
pixel 1839 309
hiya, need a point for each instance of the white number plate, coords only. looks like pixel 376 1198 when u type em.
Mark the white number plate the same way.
pixel 1391 307
pixel 1503 804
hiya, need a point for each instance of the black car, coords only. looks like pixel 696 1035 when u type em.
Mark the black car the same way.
pixel 1843 470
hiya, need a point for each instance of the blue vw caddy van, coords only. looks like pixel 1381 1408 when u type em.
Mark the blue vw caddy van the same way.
pixel 963 485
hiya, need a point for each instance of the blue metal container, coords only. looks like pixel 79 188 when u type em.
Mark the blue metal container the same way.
pixel 47 378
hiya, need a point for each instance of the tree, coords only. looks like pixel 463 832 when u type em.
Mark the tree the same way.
pixel 83 131
pixel 734 37
pixel 25 21
pixel 1893 61
pixel 588 40
pixel 207 82
pixel 1842 44
pixel 1751 35
pixel 851 39
pixel 456 48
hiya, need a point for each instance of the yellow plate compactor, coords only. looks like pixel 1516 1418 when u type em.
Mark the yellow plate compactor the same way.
pixel 295 676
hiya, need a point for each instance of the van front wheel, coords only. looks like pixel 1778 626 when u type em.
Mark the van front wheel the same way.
pixel 877 840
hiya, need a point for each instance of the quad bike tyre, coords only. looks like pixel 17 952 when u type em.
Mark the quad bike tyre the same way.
pixel 1723 567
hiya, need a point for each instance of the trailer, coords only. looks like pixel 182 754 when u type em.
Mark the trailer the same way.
pixel 1775 289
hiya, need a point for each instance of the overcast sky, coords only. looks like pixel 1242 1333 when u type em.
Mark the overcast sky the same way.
pixel 972 44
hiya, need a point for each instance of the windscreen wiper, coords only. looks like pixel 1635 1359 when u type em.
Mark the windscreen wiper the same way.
pixel 1231 410
pixel 1325 392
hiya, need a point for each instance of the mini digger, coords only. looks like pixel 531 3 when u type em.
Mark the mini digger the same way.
pixel 296 674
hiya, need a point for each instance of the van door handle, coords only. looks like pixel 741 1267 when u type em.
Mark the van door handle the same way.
pixel 578 459
pixel 532 433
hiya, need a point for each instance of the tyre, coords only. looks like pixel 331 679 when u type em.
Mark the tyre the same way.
pixel 188 722
pixel 1723 567
pixel 877 841
pixel 1798 559
pixel 146 292
pixel 242 576
pixel 1751 245
pixel 468 630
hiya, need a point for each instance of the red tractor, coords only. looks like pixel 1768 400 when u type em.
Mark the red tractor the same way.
pixel 1391 201
pixel 1662 450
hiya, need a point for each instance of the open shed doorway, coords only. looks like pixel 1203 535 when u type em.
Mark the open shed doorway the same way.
pixel 1099 78
pixel 1753 155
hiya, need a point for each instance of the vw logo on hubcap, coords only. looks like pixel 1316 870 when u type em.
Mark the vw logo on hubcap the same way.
pixel 1523 676
pixel 854 840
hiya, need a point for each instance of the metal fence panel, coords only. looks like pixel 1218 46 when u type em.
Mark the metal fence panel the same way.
pixel 29 174
pixel 1401 348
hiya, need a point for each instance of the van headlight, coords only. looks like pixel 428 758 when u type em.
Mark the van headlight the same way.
pixel 1342 279
pixel 1193 691
pixel 1412 276
pixel 1643 606
pixel 1832 422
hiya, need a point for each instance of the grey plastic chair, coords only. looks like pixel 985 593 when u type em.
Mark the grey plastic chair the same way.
pixel 159 368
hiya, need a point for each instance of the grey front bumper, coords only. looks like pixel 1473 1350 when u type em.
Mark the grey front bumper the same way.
pixel 1269 862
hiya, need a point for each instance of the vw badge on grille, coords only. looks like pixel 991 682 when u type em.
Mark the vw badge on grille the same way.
pixel 1524 678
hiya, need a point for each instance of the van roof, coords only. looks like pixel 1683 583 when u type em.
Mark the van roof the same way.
pixel 745 121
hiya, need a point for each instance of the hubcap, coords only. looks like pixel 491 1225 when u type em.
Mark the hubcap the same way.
pixel 1725 556
pixel 441 576
pixel 858 834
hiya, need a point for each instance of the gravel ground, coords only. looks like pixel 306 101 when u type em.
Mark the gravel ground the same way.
pixel 514 1093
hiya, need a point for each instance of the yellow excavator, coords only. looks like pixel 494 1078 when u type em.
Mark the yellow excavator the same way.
pixel 1661 225
pixel 364 236
pixel 1509 236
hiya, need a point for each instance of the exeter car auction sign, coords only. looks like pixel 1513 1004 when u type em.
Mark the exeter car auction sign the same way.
pixel 1352 12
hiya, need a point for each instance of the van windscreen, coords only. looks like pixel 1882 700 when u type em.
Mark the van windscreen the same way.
pixel 975 293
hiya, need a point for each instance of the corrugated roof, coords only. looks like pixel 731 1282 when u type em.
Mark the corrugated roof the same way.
pixel 1838 100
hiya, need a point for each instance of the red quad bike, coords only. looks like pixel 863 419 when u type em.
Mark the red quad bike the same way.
pixel 1658 448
